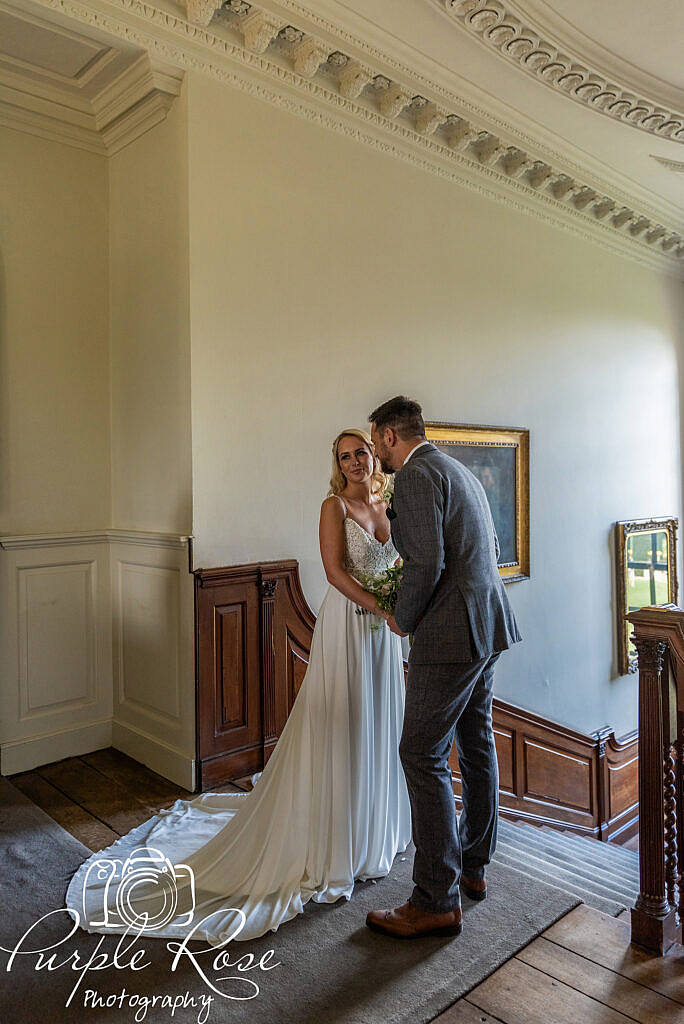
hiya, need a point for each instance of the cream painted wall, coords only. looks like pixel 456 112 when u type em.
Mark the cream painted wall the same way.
pixel 148 246
pixel 54 345
pixel 325 277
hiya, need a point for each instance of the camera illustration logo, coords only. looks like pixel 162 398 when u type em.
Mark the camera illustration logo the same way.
pixel 143 891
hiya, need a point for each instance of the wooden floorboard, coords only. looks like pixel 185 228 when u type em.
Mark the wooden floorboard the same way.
pixel 71 816
pixel 111 802
pixel 581 970
pixel 153 789
pixel 520 994
pixel 634 1000
pixel 607 943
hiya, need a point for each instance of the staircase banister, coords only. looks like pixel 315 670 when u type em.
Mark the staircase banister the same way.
pixel 658 636
pixel 661 622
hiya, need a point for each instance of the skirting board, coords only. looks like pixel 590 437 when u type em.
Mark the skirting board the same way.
pixel 24 755
pixel 167 761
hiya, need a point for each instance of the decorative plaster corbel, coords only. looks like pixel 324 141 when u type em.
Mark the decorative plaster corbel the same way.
pixel 622 217
pixel 427 117
pixel 562 186
pixel 657 231
pixel 516 162
pixel 307 57
pixel 539 173
pixel 487 148
pixel 200 12
pixel 258 29
pixel 585 196
pixel 458 132
pixel 639 226
pixel 352 78
pixel 391 98
pixel 603 207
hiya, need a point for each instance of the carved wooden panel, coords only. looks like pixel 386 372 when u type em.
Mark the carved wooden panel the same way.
pixel 231 668
pixel 229 717
pixel 558 776
pixel 620 779
pixel 623 785
pixel 251 622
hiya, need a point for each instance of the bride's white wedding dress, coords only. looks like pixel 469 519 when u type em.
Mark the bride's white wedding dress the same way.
pixel 330 806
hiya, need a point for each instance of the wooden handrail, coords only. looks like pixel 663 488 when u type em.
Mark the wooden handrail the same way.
pixel 659 640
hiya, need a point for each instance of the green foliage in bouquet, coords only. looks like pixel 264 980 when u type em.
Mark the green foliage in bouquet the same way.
pixel 384 588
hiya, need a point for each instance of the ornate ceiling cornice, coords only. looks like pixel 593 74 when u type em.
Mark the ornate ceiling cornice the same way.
pixel 501 28
pixel 336 80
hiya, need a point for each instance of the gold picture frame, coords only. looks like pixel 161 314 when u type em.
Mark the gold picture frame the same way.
pixel 657 538
pixel 500 458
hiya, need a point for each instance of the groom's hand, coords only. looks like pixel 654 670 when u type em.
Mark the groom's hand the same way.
pixel 392 623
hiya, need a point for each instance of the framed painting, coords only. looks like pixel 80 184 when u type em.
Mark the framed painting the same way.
pixel 646 575
pixel 500 459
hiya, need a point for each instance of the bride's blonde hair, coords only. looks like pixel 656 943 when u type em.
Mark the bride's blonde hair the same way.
pixel 338 481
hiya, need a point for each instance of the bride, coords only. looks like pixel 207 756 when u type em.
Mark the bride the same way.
pixel 330 806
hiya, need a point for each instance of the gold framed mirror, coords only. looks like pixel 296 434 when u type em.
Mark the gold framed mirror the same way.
pixel 646 571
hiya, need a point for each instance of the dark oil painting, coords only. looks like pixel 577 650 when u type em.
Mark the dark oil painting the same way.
pixel 494 467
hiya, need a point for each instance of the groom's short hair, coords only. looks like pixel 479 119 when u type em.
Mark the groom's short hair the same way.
pixel 402 415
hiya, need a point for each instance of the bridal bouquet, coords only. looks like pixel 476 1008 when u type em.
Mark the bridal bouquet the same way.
pixel 384 588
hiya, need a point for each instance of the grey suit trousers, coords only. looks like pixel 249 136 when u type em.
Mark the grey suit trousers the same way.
pixel 447 702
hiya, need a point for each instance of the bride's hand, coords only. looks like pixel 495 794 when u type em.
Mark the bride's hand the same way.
pixel 391 622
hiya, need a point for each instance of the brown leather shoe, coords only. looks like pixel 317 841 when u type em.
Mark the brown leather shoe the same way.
pixel 410 922
pixel 474 888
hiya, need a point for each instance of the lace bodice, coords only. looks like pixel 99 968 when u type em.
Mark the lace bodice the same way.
pixel 365 555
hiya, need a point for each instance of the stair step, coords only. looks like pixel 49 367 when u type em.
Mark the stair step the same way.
pixel 609 853
pixel 596 853
pixel 580 852
pixel 568 875
pixel 602 885
pixel 575 849
pixel 618 848
pixel 606 906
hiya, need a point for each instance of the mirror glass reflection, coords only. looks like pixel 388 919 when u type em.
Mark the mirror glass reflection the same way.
pixel 646 556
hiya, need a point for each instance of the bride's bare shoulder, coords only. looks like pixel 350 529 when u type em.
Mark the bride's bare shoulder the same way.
pixel 333 507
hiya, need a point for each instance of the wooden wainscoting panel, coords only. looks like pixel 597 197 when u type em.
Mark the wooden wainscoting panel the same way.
pixel 557 776
pixel 254 632
pixel 619 773
pixel 231 670
pixel 229 727
pixel 505 748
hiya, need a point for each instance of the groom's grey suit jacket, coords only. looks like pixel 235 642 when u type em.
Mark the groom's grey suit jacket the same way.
pixel 452 597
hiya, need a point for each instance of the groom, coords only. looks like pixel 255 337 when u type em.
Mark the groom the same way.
pixel 453 601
